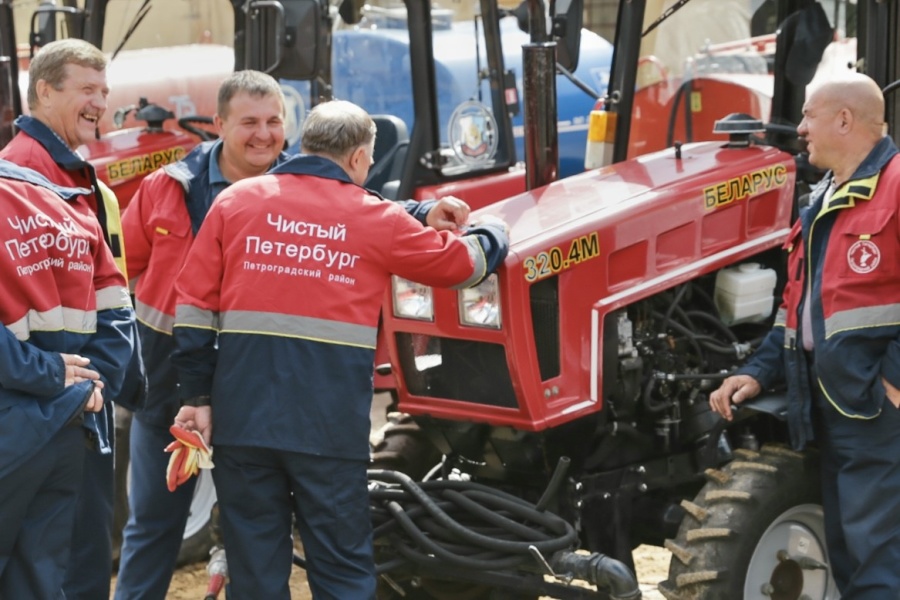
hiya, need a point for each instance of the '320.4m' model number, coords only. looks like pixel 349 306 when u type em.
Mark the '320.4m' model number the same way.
pixel 556 259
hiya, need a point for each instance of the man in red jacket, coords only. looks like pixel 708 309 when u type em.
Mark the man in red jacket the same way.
pixel 64 346
pixel 837 338
pixel 67 92
pixel 275 329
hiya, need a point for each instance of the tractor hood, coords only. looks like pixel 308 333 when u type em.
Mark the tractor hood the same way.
pixel 650 193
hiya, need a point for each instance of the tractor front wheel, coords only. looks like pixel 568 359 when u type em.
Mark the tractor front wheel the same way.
pixel 755 531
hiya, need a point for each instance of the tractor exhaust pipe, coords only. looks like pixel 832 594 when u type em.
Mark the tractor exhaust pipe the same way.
pixel 540 115
pixel 603 571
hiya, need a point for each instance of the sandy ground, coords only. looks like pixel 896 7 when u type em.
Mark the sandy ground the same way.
pixel 190 582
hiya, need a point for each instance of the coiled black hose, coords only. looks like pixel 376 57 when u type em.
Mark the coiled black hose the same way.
pixel 464 524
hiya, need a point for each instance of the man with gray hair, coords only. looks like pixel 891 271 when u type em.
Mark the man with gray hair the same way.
pixel 275 330
pixel 67 92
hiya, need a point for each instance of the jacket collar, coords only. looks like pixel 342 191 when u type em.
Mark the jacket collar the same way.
pixel 198 162
pixel 196 173
pixel 862 184
pixel 308 164
pixel 59 151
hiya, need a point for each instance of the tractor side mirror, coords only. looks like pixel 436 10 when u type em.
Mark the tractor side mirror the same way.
pixel 565 27
pixel 283 38
pixel 45 24
pixel 566 23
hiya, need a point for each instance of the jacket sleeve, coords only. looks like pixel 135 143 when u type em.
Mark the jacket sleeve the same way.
pixel 110 349
pixel 767 364
pixel 197 311
pixel 890 362
pixel 27 368
pixel 444 259
pixel 417 210
pixel 137 239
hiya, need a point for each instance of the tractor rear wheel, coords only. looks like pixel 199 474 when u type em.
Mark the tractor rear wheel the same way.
pixel 403 447
pixel 755 531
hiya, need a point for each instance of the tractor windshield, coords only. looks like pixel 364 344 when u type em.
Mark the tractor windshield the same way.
pixel 703 59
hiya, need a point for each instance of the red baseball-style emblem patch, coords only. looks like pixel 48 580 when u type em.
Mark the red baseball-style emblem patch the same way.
pixel 863 256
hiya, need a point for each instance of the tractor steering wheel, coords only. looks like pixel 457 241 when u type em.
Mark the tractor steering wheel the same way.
pixel 187 123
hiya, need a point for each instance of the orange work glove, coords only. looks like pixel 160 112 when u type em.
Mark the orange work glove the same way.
pixel 189 454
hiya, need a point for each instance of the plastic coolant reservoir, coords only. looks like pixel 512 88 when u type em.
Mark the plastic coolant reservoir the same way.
pixel 744 293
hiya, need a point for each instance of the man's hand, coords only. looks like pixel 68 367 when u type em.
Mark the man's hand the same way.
pixel 95 403
pixel 196 418
pixel 76 371
pixel 893 393
pixel 190 453
pixel 733 391
pixel 449 213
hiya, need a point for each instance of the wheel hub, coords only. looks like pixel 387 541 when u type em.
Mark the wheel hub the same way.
pixel 787 581
pixel 790 560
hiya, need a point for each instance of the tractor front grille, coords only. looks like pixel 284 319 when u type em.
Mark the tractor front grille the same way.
pixel 455 369
pixel 545 324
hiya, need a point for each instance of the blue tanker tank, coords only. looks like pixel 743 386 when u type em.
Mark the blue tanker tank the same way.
pixel 371 68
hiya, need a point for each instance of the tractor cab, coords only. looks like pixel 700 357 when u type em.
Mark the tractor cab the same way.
pixel 446 93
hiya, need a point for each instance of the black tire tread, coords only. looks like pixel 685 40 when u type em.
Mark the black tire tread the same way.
pixel 723 524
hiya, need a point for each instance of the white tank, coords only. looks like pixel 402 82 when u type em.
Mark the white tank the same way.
pixel 745 293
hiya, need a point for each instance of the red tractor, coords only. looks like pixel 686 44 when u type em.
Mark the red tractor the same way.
pixel 562 405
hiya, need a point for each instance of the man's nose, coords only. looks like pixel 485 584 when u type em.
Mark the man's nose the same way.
pixel 264 131
pixel 100 102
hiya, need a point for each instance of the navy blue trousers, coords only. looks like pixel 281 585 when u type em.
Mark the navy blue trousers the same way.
pixel 861 500
pixel 157 517
pixel 90 564
pixel 259 490
pixel 37 508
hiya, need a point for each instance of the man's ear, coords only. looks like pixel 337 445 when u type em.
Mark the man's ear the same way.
pixel 358 157
pixel 845 117
pixel 42 89
pixel 217 123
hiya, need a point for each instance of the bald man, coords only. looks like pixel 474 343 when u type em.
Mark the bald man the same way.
pixel 836 340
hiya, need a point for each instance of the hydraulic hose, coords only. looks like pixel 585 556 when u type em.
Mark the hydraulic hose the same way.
pixel 464 524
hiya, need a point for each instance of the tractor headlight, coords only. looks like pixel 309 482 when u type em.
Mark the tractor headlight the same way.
pixel 480 305
pixel 411 300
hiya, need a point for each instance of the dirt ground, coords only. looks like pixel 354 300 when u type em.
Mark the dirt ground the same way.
pixel 190 582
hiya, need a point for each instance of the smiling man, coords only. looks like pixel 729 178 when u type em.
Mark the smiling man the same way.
pixel 160 224
pixel 67 93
